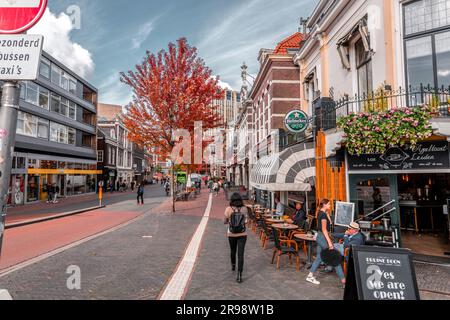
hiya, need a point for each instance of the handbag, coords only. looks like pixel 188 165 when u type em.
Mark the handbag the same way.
pixel 331 258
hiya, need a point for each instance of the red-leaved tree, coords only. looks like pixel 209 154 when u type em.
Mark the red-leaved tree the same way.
pixel 171 90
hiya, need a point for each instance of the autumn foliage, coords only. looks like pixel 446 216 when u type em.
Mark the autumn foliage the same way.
pixel 171 90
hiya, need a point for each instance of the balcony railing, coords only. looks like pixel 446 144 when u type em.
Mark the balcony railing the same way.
pixel 327 111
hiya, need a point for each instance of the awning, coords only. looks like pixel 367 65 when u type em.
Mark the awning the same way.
pixel 291 170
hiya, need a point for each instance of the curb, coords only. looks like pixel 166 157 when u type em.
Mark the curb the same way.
pixel 53 217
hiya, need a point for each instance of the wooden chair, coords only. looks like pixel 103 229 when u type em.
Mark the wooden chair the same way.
pixel 344 263
pixel 283 247
pixel 267 234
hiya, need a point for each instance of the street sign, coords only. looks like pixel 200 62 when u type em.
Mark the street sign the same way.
pixel 296 121
pixel 20 56
pixel 17 16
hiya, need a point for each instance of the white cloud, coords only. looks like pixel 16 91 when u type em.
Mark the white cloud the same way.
pixel 224 85
pixel 112 91
pixel 143 33
pixel 57 42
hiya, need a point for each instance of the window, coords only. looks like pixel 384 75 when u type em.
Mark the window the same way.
pixel 56 75
pixel 55 103
pixel 419 53
pixel 100 156
pixel 43 98
pixel 43 128
pixel 62 134
pixel 427 41
pixel 32 93
pixel 426 15
pixel 72 136
pixel 64 108
pixel 364 68
pixel 72 110
pixel 23 89
pixel 27 124
pixel 72 85
pixel 44 68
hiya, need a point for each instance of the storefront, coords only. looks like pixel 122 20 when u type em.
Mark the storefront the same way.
pixel 418 180
pixel 32 174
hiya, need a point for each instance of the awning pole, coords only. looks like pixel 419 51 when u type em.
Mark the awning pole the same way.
pixel 306 201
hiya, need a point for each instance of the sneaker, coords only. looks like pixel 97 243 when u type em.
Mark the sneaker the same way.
pixel 312 280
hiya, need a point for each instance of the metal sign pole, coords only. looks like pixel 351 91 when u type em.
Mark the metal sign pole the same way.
pixel 8 125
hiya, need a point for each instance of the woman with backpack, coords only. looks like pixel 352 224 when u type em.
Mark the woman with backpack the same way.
pixel 236 218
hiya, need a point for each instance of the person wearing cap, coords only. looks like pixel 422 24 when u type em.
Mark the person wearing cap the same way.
pixel 352 237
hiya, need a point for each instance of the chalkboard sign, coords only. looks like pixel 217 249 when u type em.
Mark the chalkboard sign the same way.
pixel 376 273
pixel 344 214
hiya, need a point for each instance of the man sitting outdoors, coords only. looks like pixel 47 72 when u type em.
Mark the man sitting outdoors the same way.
pixel 352 237
pixel 279 208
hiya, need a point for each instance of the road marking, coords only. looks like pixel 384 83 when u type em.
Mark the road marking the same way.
pixel 178 283
pixel 4 295
pixel 47 255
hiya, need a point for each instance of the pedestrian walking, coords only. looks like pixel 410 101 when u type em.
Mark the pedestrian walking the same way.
pixel 55 196
pixel 118 186
pixel 324 241
pixel 49 193
pixel 140 194
pixel 236 218
pixel 132 186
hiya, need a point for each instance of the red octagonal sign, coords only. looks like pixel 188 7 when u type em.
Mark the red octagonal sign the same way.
pixel 17 16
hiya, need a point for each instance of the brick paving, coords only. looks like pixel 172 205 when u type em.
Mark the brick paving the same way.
pixel 136 262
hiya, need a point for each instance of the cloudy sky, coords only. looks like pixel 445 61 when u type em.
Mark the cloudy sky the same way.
pixel 115 34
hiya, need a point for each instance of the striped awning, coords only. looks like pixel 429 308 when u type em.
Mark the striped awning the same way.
pixel 291 170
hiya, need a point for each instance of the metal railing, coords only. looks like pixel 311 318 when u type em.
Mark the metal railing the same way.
pixel 327 111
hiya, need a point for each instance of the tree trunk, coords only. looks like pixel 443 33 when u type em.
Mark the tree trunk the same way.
pixel 173 188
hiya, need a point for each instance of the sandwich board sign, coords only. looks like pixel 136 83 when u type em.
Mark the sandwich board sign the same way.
pixel 383 274
pixel 17 16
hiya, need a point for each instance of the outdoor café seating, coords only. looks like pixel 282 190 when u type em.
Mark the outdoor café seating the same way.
pixel 285 247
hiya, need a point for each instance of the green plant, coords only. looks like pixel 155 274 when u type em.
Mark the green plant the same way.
pixel 375 132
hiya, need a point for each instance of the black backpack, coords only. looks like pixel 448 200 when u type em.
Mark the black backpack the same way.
pixel 237 221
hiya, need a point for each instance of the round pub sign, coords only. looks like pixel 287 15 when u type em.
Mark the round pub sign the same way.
pixel 296 121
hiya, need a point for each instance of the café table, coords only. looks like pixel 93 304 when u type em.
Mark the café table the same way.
pixel 273 220
pixel 309 242
pixel 285 227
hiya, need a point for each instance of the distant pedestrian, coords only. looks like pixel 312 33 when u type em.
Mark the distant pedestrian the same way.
pixel 140 194
pixel 236 219
pixel 49 193
pixel 118 186
pixel 55 196
pixel 132 186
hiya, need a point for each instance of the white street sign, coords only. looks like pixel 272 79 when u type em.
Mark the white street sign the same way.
pixel 19 56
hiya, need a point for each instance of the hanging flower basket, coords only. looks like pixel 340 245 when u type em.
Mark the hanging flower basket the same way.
pixel 375 132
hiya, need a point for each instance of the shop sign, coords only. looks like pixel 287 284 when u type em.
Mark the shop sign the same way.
pixel 296 121
pixel 182 177
pixel 376 273
pixel 424 155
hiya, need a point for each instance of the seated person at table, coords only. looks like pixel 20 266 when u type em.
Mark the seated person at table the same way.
pixel 279 208
pixel 299 217
pixel 352 237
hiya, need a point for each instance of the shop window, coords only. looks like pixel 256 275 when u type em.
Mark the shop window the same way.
pixel 20 162
pixel 33 188
pixel 33 164
pixel 79 186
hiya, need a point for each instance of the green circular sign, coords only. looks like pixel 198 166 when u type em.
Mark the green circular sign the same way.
pixel 296 121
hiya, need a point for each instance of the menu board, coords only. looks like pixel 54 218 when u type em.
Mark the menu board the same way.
pixel 424 155
pixel 344 214
pixel 376 273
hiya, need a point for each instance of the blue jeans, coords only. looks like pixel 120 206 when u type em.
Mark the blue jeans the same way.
pixel 323 245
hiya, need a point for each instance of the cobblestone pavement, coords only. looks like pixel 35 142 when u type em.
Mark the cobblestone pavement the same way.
pixel 136 262
pixel 131 263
